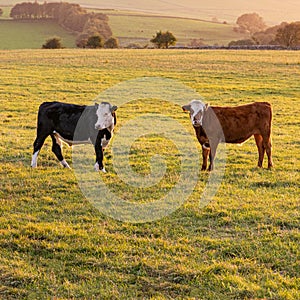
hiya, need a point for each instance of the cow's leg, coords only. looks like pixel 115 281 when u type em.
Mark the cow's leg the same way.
pixel 99 159
pixel 205 154
pixel 56 148
pixel 268 146
pixel 260 148
pixel 99 155
pixel 212 154
pixel 37 145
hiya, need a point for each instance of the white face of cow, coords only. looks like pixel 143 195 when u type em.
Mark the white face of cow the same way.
pixel 105 116
pixel 196 108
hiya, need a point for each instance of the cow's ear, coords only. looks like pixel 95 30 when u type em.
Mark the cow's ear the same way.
pixel 113 108
pixel 206 106
pixel 96 104
pixel 186 107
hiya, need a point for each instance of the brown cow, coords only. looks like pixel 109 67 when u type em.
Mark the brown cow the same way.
pixel 215 124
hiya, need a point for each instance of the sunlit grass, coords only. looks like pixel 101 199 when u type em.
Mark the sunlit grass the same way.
pixel 56 244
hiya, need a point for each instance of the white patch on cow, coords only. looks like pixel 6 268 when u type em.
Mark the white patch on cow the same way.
pixel 105 117
pixel 34 159
pixel 197 111
pixel 105 142
pixel 205 147
pixel 96 167
pixel 59 138
pixel 65 164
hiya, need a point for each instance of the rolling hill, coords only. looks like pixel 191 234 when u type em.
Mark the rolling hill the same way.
pixel 32 34
pixel 139 28
pixel 136 22
pixel 128 26
pixel 273 11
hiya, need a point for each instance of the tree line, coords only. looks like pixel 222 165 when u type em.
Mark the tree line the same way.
pixel 284 34
pixel 70 16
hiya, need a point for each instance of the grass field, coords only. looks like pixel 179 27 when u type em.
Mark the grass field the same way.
pixel 56 245
pixel 31 34
pixel 129 27
pixel 6 12
pixel 140 28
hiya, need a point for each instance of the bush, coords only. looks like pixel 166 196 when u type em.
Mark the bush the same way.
pixel 111 43
pixel 53 43
pixel 94 42
pixel 247 42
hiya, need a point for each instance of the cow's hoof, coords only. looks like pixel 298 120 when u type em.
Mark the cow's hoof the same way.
pixel 103 170
pixel 65 164
pixel 96 167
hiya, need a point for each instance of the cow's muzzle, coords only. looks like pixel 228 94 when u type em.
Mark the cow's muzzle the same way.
pixel 196 123
pixel 99 127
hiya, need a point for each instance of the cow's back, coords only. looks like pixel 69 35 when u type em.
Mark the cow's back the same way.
pixel 241 122
pixel 63 118
pixel 56 109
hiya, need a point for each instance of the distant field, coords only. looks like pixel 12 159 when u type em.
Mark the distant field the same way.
pixel 31 34
pixel 129 27
pixel 6 12
pixel 54 244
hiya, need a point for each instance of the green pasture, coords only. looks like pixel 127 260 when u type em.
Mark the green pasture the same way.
pixel 6 12
pixel 140 29
pixel 54 244
pixel 129 27
pixel 31 34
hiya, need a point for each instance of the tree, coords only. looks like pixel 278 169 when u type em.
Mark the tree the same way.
pixel 164 39
pixel 289 35
pixel 53 43
pixel 94 41
pixel 1 12
pixel 250 23
pixel 111 43
pixel 267 37
pixel 81 40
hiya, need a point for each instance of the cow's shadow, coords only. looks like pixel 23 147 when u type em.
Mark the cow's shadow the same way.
pixel 276 184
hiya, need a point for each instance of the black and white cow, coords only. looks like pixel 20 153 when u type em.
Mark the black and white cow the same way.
pixel 59 120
